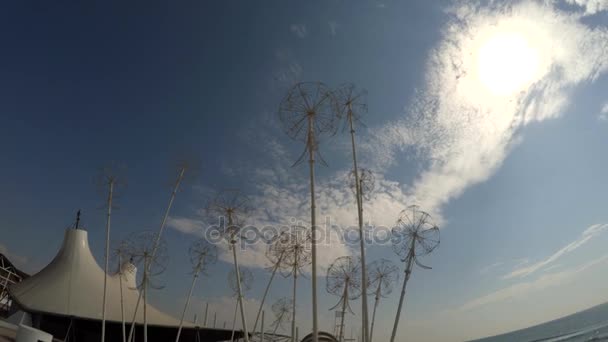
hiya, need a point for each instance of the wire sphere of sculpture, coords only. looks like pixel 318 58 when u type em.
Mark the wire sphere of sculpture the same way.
pixel 230 208
pixel 293 249
pixel 120 254
pixel 344 271
pixel 282 305
pixel 277 247
pixel 348 101
pixel 383 273
pixel 282 310
pixel 202 253
pixel 415 230
pixel 140 249
pixel 367 181
pixel 308 100
pixel 114 174
pixel 246 280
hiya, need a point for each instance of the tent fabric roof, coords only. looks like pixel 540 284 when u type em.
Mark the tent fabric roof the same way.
pixel 72 285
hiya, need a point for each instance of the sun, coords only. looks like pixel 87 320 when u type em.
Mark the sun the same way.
pixel 507 63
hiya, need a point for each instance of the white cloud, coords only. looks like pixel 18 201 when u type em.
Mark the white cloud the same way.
pixel 604 113
pixel 186 225
pixel 461 131
pixel 288 70
pixel 333 27
pixel 590 6
pixel 587 235
pixel 521 289
pixel 299 30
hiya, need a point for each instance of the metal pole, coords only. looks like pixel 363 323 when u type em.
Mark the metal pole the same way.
pixel 293 308
pixel 311 151
pixel 145 307
pixel 160 232
pixel 196 271
pixel 344 299
pixel 274 271
pixel 122 304
pixel 236 306
pixel 238 281
pixel 262 330
pixel 364 315
pixel 214 318
pixel 206 311
pixel 408 271
pixel 297 334
pixel 132 329
pixel 377 300
pixel 107 258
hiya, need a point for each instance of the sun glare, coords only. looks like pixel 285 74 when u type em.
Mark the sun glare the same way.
pixel 507 63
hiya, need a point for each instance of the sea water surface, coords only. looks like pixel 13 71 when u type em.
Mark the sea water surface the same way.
pixel 587 325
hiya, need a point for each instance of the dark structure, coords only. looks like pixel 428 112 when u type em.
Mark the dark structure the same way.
pixel 9 275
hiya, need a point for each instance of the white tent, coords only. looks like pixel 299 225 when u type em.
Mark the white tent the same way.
pixel 72 285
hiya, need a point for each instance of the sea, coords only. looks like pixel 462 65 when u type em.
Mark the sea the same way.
pixel 587 325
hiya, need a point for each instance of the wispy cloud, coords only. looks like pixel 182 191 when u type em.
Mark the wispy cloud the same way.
pixel 604 113
pixel 288 70
pixel 299 30
pixel 587 235
pixel 590 6
pixel 521 289
pixel 460 131
pixel 186 225
pixel 333 27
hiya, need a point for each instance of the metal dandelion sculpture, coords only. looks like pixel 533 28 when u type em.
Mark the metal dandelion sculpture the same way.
pixel 296 250
pixel 202 253
pixel 415 235
pixel 344 281
pixel 239 283
pixel 383 274
pixel 275 254
pixel 306 114
pixel 349 105
pixel 148 252
pixel 231 208
pixel 282 310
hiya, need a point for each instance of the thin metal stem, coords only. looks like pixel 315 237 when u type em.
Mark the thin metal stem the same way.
pixel 274 271
pixel 107 258
pixel 311 151
pixel 408 272
pixel 132 329
pixel 122 304
pixel 238 281
pixel 236 306
pixel 293 308
pixel 364 315
pixel 262 329
pixel 376 301
pixel 206 312
pixel 146 306
pixel 344 299
pixel 196 271
pixel 178 181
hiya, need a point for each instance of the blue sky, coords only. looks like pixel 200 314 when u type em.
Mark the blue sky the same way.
pixel 491 116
